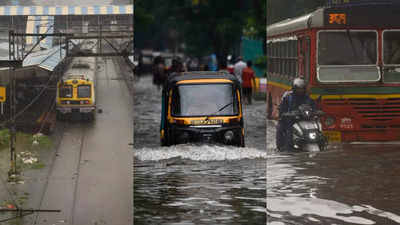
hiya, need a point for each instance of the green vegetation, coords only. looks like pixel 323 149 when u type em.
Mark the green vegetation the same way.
pixel 203 26
pixel 4 138
pixel 38 165
pixel 28 148
pixel 42 140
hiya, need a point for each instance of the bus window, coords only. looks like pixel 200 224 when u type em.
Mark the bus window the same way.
pixel 347 48
pixel 391 56
pixel 391 47
pixel 347 56
pixel 65 91
pixel 84 91
pixel 293 58
pixel 307 56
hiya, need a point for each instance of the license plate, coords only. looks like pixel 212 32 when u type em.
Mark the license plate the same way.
pixel 206 122
pixel 333 136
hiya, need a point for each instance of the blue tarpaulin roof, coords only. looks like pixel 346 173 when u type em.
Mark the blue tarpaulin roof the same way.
pixel 46 59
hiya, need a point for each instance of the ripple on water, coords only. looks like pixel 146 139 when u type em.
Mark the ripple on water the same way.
pixel 199 153
pixel 289 193
pixel 324 208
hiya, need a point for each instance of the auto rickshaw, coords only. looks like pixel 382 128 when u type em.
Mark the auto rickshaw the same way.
pixel 202 107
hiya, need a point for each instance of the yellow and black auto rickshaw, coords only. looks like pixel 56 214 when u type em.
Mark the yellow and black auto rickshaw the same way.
pixel 202 107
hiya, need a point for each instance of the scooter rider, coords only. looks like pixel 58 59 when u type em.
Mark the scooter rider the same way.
pixel 291 100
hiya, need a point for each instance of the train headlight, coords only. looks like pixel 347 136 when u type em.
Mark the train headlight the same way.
pixel 229 135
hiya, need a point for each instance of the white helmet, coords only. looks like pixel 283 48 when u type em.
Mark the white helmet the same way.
pixel 299 86
pixel 298 83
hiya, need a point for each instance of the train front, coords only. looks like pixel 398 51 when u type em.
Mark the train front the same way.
pixel 75 95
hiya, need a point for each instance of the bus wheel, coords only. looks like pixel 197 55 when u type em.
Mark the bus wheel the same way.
pixel 269 107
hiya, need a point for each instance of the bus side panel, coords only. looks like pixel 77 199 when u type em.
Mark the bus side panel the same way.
pixel 276 92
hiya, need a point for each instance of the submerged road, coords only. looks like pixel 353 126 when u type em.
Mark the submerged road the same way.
pixel 188 184
pixel 349 184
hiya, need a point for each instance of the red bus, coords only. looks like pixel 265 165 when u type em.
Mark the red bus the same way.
pixel 350 57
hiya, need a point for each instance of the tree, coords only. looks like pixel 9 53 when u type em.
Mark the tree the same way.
pixel 204 26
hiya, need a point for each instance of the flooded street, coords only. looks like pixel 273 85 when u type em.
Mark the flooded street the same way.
pixel 350 184
pixel 190 184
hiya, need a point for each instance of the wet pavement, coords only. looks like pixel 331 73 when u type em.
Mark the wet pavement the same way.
pixel 348 184
pixel 192 184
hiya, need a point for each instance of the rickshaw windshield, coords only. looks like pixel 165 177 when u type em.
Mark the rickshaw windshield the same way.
pixel 204 100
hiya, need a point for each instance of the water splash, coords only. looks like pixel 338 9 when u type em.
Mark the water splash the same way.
pixel 199 153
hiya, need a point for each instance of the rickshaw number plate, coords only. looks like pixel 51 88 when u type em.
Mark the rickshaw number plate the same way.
pixel 206 122
pixel 333 136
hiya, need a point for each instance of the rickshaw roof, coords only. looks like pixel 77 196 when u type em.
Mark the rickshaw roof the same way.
pixel 197 75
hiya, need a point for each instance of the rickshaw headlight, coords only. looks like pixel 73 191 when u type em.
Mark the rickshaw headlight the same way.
pixel 229 135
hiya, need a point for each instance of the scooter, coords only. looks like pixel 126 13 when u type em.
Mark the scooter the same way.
pixel 306 130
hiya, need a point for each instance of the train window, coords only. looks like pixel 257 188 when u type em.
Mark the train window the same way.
pixel 84 91
pixel 65 91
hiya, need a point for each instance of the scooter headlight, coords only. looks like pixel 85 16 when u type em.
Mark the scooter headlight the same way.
pixel 312 136
pixel 229 135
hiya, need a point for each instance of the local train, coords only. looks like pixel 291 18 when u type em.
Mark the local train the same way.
pixel 76 89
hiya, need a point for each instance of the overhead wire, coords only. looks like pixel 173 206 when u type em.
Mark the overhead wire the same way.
pixel 33 100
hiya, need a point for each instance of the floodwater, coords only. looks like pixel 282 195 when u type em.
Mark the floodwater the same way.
pixel 348 184
pixel 192 184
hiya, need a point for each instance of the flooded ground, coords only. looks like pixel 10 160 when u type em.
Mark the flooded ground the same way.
pixel 349 184
pixel 190 184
